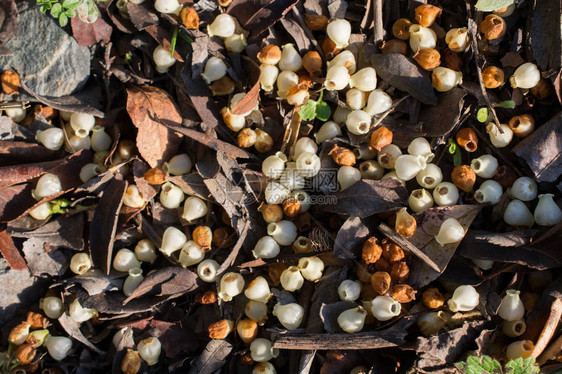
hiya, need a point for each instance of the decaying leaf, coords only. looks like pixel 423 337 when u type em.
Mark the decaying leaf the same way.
pixel 166 282
pixel 72 328
pixel 440 119
pixel 330 313
pixel 351 236
pixel 175 338
pixel 545 34
pixel 96 282
pixel 41 260
pixel 249 102
pixel 212 359
pixel 11 253
pixel 141 15
pixel 155 142
pixel 87 34
pixel 63 231
pixel 8 21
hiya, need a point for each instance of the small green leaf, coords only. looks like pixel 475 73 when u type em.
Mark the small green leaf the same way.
pixel 56 10
pixel 323 111
pixel 482 115
pixel 491 5
pixel 70 13
pixel 44 8
pixel 508 104
pixel 63 20
pixel 173 42
pixel 308 111
pixel 185 37
pixel 452 150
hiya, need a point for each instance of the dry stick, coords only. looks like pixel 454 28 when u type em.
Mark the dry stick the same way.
pixel 377 19
pixel 298 15
pixel 549 328
pixel 477 57
pixel 550 352
pixel 390 110
pixel 291 132
pixel 365 340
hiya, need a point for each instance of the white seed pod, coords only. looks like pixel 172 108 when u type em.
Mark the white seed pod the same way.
pixel 65 115
pixel 168 6
pixel 349 290
pixel 256 311
pixel 234 122
pixel 258 290
pixel 52 306
pixel 348 176
pixel 90 171
pixel 52 138
pixel 261 350
pixel 304 144
pixel 421 147
pixel 420 200
pixel 48 184
pixel 76 143
pixel 276 193
pixel 223 26
pixel 422 38
pixel 145 251
pixel 194 208
pixel 80 263
pixel 171 196
pixel 215 69
pixel 291 178
pixel 82 123
pixel 58 347
pixel 358 122
pixel 327 131
pixel 445 79
pixel 364 80
pixel 283 232
pixel 290 58
pixel 172 240
pixel 337 78
pixel 178 165
pixel 264 368
pixel 231 285
pixel 387 156
pixel 511 307
pixel 378 102
pixel 191 254
pixel 345 59
pixel 340 115
pixel 547 212
pixel 273 166
pixel 16 114
pixel 464 299
pixel 291 279
pixel 519 349
pixel 483 264
pixel 298 95
pixel 430 177
pixel 132 281
pixel 235 43
pixel 432 322
pixel 526 76
pixel 490 191
pixel 385 308
pixel 207 270
pixel 451 231
pixel 484 166
pixel 408 166
pixel 514 329
pixel 339 31
pixel 268 76
pixel 352 320
pixel 41 212
pixel 370 169
pixel 303 198
pixel 392 175
pixel 457 39
pixel 285 81
pixel 498 139
pixel 133 198
pixel 355 98
pixel 311 268
pixel 120 334
pixel 149 349
pixel 308 164
pixel 517 214
pixel 524 189
pixel 289 315
pixel 79 313
pixel 100 140
pixel 125 260
pixel 445 194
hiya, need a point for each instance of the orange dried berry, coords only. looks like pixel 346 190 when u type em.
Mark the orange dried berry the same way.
pixel 463 177
pixel 428 58
pixel 453 60
pixel 493 77
pixel 223 86
pixel 383 265
pixel 329 48
pixel 203 236
pixel 209 297
pixel 155 176
pixel 247 330
pixel 399 272
pixel 380 282
pixel 380 138
pixel 316 22
pixel 189 18
pixel 46 111
pixel 342 156
pixel 19 333
pixel 271 213
pixel 270 54
pixel 221 329
pixel 223 237
pixel 292 208
pixel 403 293
pixel 371 251
pixel 25 354
pixel 10 82
pixel 264 141
pixel 131 363
pixel 394 46
pixel 467 139
pixel 37 320
pixel 406 224
pixel 391 251
pixel 401 28
pixel 426 14
pixel 493 27
pixel 246 138
pixel 312 62
pixel 432 298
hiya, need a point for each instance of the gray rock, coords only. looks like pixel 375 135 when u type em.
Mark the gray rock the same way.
pixel 48 59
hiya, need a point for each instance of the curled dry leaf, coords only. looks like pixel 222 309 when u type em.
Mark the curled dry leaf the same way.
pixel 155 142
pixel 212 358
pixel 141 15
pixel 72 328
pixel 169 281
pixel 87 34
pixel 440 119
pixel 351 236
pixel 11 253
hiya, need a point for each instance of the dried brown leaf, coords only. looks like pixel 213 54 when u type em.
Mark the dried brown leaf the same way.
pixel 14 200
pixel 163 37
pixel 27 152
pixel 440 119
pixel 351 236
pixel 65 231
pixel 168 281
pixel 155 142
pixel 141 15
pixel 8 20
pixel 212 359
pixel 41 260
pixel 87 34
pixel 545 34
pixel 72 328
pixel 249 102
pixel 11 253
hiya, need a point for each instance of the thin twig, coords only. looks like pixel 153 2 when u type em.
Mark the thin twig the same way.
pixel 298 15
pixel 377 18
pixel 390 110
pixel 362 340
